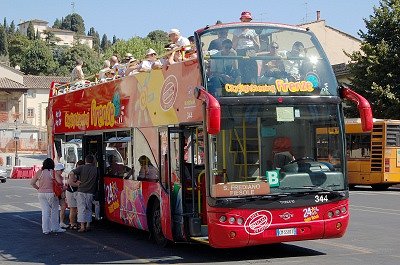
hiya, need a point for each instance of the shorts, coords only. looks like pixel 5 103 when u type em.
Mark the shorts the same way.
pixel 71 199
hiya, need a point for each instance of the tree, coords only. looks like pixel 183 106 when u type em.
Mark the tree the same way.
pixel 17 47
pixel 3 41
pixel 57 24
pixel 96 39
pixel 68 57
pixel 375 67
pixel 74 22
pixel 50 37
pixel 38 59
pixel 105 43
pixel 30 31
pixel 5 24
pixel 158 36
pixel 114 39
pixel 11 28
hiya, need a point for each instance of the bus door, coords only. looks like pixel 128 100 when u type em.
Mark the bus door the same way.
pixel 192 178
pixel 93 145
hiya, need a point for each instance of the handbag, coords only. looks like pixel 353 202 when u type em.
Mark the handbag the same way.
pixel 57 187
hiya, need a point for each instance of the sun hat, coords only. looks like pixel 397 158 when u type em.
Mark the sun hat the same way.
pixel 246 14
pixel 59 166
pixel 150 51
pixel 174 31
pixel 128 55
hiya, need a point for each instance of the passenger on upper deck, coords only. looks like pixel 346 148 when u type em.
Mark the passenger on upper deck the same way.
pixel 114 64
pixel 105 72
pixel 273 68
pixel 217 43
pixel 223 71
pixel 77 73
pixel 246 43
pixel 150 62
pixel 295 66
pixel 180 41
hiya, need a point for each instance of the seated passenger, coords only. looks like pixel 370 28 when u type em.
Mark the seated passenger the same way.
pixel 150 62
pixel 274 68
pixel 132 67
pixel 116 169
pixel 105 72
pixel 295 67
pixel 217 43
pixel 223 71
pixel 147 170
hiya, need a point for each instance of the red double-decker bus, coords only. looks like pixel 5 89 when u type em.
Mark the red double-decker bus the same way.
pixel 222 149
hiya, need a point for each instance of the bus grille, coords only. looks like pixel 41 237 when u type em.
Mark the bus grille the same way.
pixel 392 135
pixel 377 148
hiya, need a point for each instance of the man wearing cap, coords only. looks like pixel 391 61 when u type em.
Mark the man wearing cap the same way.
pixel 246 42
pixel 150 62
pixel 180 41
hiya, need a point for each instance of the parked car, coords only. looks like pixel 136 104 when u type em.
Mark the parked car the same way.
pixel 3 175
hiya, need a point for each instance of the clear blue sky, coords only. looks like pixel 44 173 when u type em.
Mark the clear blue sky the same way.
pixel 128 18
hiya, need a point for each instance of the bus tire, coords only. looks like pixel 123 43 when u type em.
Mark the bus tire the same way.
pixel 155 225
pixel 380 187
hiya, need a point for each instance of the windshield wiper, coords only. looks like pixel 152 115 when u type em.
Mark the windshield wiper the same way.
pixel 314 188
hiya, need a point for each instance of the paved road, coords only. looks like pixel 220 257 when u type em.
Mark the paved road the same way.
pixel 373 238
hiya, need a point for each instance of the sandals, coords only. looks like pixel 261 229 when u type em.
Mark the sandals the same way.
pixel 74 227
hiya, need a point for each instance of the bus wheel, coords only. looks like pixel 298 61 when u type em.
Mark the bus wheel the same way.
pixel 380 187
pixel 156 228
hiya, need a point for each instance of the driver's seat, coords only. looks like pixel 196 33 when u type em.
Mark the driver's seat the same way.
pixel 282 152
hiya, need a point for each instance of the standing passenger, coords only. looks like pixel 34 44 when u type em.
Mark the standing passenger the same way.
pixel 87 185
pixel 43 183
pixel 71 197
pixel 77 73
pixel 59 169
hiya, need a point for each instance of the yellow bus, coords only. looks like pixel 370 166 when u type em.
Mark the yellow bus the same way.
pixel 373 158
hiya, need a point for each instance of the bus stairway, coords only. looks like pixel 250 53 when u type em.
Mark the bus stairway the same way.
pixel 204 235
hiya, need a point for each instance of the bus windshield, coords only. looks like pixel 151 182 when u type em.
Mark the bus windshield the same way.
pixel 246 59
pixel 277 149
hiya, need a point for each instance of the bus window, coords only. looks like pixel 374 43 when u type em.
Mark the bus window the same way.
pixel 118 148
pixel 358 145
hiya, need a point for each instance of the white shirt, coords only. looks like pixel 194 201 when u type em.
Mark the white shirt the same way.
pixel 245 38
pixel 183 42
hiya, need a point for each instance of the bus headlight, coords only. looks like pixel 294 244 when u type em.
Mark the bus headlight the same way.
pixel 344 209
pixel 232 220
pixel 330 214
pixel 240 221
pixel 222 219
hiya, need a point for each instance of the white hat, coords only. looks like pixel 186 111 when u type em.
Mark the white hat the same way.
pixel 128 55
pixel 59 166
pixel 174 31
pixel 150 51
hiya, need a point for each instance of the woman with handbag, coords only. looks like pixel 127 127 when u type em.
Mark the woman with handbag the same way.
pixel 43 183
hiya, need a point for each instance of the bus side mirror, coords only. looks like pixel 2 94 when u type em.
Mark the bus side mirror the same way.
pixel 364 108
pixel 213 110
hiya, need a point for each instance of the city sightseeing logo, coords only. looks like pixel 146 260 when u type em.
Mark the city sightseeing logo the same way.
pixel 258 222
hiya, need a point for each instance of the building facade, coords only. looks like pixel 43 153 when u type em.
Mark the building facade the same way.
pixel 61 36
pixel 23 103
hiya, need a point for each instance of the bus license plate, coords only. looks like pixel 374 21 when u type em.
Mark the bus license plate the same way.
pixel 286 232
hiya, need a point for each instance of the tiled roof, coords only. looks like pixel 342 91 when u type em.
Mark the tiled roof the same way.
pixel 32 81
pixel 8 83
pixel 34 21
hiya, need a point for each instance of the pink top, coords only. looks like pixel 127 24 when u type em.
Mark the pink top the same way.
pixel 46 181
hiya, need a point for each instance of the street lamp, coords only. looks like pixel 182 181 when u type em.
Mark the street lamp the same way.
pixel 16 137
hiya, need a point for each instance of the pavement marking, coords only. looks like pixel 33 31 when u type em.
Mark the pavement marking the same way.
pixel 10 208
pixel 346 246
pixel 13 196
pixel 395 193
pixel 33 204
pixel 374 208
pixel 373 211
pixel 122 253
